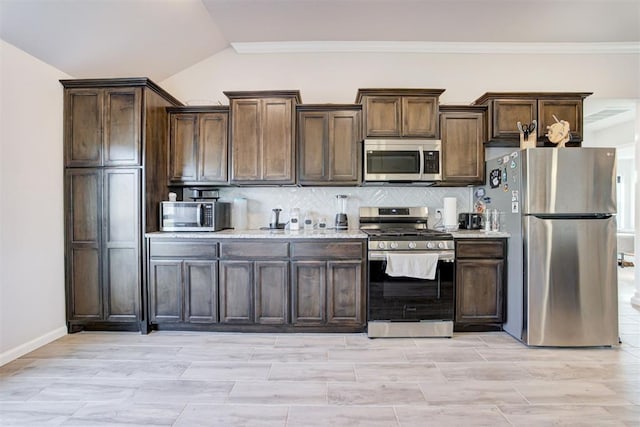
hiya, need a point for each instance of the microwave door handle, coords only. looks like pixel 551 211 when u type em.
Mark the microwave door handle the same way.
pixel 199 214
pixel 421 152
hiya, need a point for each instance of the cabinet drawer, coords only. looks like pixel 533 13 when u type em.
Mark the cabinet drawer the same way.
pixel 327 250
pixel 183 249
pixel 480 248
pixel 250 250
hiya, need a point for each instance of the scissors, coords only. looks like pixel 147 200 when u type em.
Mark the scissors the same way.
pixel 527 129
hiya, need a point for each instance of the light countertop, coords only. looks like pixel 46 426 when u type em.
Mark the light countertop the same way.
pixel 305 234
pixel 479 234
pixel 261 234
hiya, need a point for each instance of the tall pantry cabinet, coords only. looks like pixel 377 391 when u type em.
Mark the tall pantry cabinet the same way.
pixel 115 157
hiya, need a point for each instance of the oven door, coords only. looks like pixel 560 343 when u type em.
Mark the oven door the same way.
pixel 409 299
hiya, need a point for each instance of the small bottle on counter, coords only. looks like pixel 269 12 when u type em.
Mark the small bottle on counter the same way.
pixel 308 222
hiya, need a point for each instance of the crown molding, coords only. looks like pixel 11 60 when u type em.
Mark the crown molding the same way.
pixel 507 48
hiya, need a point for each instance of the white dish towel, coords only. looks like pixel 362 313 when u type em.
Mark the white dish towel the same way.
pixel 419 266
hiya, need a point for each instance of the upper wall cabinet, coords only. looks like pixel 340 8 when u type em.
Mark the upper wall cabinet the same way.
pixel 198 145
pixel 400 113
pixel 506 109
pixel 262 136
pixel 464 132
pixel 103 126
pixel 329 143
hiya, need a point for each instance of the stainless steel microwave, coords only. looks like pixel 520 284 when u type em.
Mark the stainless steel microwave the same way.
pixel 195 216
pixel 402 160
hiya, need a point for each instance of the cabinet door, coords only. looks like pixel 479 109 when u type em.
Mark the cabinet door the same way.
pixel 345 288
pixel 83 127
pixel 479 284
pixel 309 292
pixel 383 116
pixel 271 292
pixel 313 147
pixel 344 159
pixel 506 113
pixel 182 147
pixel 165 291
pixel 420 116
pixel 246 148
pixel 122 132
pixel 564 109
pixel 463 138
pixel 83 206
pixel 201 291
pixel 212 147
pixel 277 140
pixel 121 244
pixel 236 292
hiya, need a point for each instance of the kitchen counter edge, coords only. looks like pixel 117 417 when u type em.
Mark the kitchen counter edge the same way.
pixel 479 234
pixel 259 234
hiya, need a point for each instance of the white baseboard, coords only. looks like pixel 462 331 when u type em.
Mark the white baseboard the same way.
pixel 27 347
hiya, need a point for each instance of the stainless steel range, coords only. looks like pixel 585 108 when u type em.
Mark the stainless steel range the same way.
pixel 411 274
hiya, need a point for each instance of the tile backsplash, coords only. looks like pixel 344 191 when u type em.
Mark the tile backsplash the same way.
pixel 321 201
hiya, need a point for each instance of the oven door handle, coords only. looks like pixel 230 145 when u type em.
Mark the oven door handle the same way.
pixel 444 256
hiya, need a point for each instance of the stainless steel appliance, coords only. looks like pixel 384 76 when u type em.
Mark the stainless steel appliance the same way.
pixel 470 221
pixel 195 216
pixel 402 160
pixel 559 206
pixel 412 304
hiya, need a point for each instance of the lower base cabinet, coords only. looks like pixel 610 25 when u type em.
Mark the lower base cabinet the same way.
pixel 257 285
pixel 183 291
pixel 330 291
pixel 254 292
pixel 480 284
pixel 182 282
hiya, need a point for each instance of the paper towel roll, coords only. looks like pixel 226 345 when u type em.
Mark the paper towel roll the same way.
pixel 239 214
pixel 450 220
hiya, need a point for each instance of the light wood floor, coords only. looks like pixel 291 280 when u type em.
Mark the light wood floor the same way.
pixel 199 379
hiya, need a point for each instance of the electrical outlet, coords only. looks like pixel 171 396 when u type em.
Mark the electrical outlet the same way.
pixel 439 212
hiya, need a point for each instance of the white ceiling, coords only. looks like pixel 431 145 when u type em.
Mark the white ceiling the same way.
pixel 158 38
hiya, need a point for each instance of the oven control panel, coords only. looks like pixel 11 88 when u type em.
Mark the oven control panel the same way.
pixel 411 245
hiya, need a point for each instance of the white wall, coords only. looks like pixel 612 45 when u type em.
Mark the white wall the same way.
pixel 336 77
pixel 31 197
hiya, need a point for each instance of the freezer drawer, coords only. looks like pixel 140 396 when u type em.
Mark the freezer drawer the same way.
pixel 570 283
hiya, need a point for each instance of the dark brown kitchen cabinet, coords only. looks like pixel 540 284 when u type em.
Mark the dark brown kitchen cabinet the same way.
pixel 262 136
pixel 115 154
pixel 329 144
pixel 102 126
pixel 328 284
pixel 183 291
pixel 463 133
pixel 103 266
pixel 506 109
pixel 254 292
pixel 254 282
pixel 480 284
pixel 183 281
pixel 198 145
pixel 400 113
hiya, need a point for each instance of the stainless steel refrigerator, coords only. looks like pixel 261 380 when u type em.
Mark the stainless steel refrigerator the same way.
pixel 559 206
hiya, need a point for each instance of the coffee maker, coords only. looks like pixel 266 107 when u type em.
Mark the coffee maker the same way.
pixel 342 222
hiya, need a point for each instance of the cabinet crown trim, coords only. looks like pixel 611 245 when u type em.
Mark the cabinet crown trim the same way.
pixel 199 109
pixel 397 92
pixel 489 96
pixel 328 107
pixel 264 94
pixel 120 82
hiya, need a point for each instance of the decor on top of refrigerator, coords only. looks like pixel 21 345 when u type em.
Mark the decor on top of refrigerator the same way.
pixel 559 208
